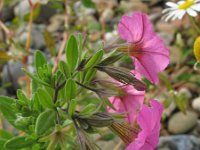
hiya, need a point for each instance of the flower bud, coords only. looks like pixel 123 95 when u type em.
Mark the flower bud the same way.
pixel 123 76
pixel 125 131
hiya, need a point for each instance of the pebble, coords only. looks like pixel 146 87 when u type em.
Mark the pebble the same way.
pixel 165 27
pixel 11 73
pixel 186 92
pixel 181 123
pixel 56 23
pixel 178 142
pixel 196 104
pixel 109 36
pixel 36 37
pixel 168 111
pixel 135 5
pixel 167 38
pixel 107 15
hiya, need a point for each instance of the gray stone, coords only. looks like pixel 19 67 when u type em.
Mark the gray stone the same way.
pixel 196 104
pixel 170 109
pixel 167 38
pixel 107 15
pixel 46 10
pixel 186 92
pixel 57 23
pixel 178 142
pixel 81 10
pixel 6 14
pixel 36 37
pixel 181 123
pixel 11 73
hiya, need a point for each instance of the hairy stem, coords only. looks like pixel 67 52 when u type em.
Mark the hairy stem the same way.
pixel 57 88
pixel 195 26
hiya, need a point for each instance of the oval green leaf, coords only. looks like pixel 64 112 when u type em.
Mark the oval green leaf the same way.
pixel 72 53
pixel 88 110
pixel 39 59
pixel 72 107
pixel 6 108
pixel 44 121
pixel 95 59
pixel 70 89
pixel 45 99
pixel 18 143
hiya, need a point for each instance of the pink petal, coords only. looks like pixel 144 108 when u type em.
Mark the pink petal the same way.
pixel 148 32
pixel 130 103
pixel 153 59
pixel 133 28
pixel 149 121
pixel 136 74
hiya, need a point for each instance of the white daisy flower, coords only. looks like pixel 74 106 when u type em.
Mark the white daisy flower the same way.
pixel 179 9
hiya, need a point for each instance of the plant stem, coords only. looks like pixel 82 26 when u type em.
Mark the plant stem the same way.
pixel 194 24
pixel 89 88
pixel 55 98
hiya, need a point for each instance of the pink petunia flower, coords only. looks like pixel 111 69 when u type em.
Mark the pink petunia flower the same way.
pixel 144 120
pixel 147 50
pixel 149 122
pixel 130 103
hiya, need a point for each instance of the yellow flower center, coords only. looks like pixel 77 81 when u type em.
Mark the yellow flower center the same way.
pixel 197 48
pixel 187 4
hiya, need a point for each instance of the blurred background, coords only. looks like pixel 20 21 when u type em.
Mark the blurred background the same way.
pixel 30 25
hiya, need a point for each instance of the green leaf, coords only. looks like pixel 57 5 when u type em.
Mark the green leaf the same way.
pixel 39 59
pixel 90 74
pixel 88 3
pixel 70 89
pixel 166 81
pixel 64 68
pixel 33 77
pixel 2 142
pixel 181 101
pixel 44 121
pixel 88 110
pixel 5 134
pixel 34 86
pixel 50 42
pixel 111 59
pixel 23 122
pixel 67 122
pixel 45 99
pixel 108 103
pixel 72 107
pixel 95 59
pixel 6 109
pixel 18 143
pixel 21 96
pixel 36 102
pixel 45 73
pixel 72 53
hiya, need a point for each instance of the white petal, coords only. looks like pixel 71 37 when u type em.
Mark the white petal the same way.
pixel 181 14
pixel 191 12
pixel 171 4
pixel 197 1
pixel 175 17
pixel 168 10
pixel 180 2
pixel 171 15
pixel 178 15
pixel 196 7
